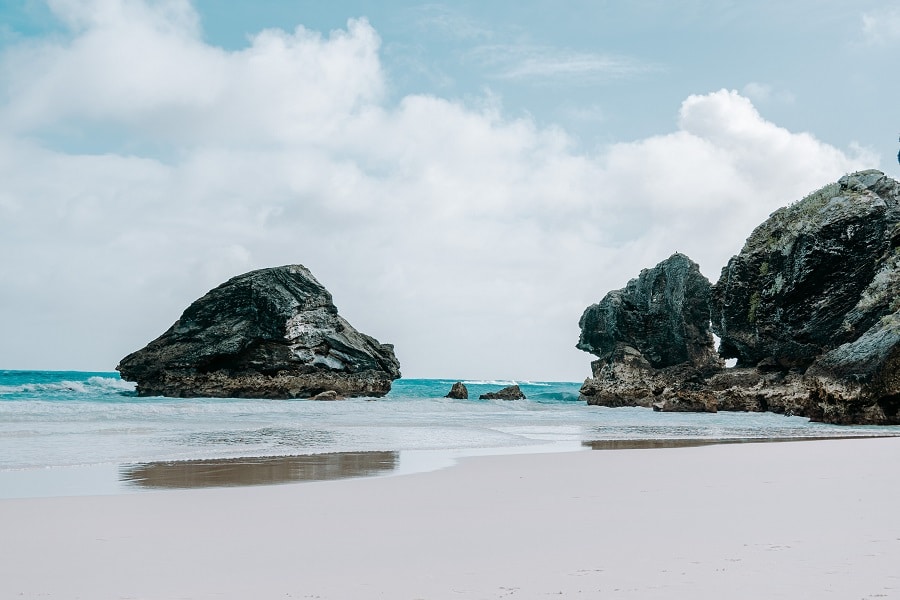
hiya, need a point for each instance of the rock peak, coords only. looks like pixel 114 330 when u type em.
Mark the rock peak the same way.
pixel 663 313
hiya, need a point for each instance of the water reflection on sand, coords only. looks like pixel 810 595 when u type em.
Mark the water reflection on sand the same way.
pixel 690 442
pixel 257 471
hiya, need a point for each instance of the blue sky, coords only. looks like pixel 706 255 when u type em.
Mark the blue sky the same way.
pixel 465 178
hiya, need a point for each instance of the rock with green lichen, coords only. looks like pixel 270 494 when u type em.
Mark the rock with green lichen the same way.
pixel 810 308
pixel 814 296
pixel 787 294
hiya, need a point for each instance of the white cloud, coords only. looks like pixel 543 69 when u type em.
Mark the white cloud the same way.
pixel 470 240
pixel 542 64
pixel 881 27
pixel 126 68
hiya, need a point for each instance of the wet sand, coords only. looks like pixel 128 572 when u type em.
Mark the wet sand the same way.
pixel 817 519
pixel 266 470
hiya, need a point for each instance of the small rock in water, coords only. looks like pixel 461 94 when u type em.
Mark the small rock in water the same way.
pixel 458 391
pixel 511 392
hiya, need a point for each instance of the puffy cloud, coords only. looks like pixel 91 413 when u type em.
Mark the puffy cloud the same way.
pixel 145 68
pixel 470 240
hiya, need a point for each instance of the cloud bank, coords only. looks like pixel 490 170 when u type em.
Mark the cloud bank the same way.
pixel 143 166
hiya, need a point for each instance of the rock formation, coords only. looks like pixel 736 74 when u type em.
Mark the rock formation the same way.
pixel 511 392
pixel 652 340
pixel 810 308
pixel 815 292
pixel 271 333
pixel 458 391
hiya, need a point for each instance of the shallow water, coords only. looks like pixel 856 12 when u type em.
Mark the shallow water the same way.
pixel 52 422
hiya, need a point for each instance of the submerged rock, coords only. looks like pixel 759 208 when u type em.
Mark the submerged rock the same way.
pixel 458 391
pixel 271 333
pixel 511 392
pixel 327 395
pixel 652 340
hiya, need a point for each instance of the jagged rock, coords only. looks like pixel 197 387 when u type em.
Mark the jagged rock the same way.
pixel 794 291
pixel 810 308
pixel 652 340
pixel 663 314
pixel 511 392
pixel 458 391
pixel 816 291
pixel 271 333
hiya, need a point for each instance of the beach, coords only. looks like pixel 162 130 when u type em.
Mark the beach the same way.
pixel 812 519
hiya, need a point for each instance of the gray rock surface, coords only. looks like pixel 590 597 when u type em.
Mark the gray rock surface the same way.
pixel 511 392
pixel 271 333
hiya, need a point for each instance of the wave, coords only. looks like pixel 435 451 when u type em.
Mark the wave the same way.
pixel 561 396
pixel 92 385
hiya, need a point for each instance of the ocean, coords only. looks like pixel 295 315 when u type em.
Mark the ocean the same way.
pixel 67 433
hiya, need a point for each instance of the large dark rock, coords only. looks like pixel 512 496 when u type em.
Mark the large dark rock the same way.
pixel 810 308
pixel 663 314
pixel 816 292
pixel 794 291
pixel 652 340
pixel 271 333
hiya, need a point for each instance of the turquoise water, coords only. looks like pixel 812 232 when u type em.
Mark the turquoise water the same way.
pixel 57 419
pixel 73 433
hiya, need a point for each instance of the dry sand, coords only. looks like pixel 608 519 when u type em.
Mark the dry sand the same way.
pixel 794 520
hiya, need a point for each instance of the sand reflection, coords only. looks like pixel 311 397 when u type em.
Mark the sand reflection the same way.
pixel 257 471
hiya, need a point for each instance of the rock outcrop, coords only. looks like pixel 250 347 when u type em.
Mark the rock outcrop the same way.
pixel 816 292
pixel 810 308
pixel 653 341
pixel 510 392
pixel 458 391
pixel 271 333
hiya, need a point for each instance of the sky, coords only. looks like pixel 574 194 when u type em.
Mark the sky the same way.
pixel 465 178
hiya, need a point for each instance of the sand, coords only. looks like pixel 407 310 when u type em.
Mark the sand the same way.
pixel 814 519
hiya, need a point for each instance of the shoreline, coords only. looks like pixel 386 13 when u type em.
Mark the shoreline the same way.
pixel 748 521
pixel 263 471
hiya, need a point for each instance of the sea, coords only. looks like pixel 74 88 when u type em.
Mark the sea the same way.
pixel 77 433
